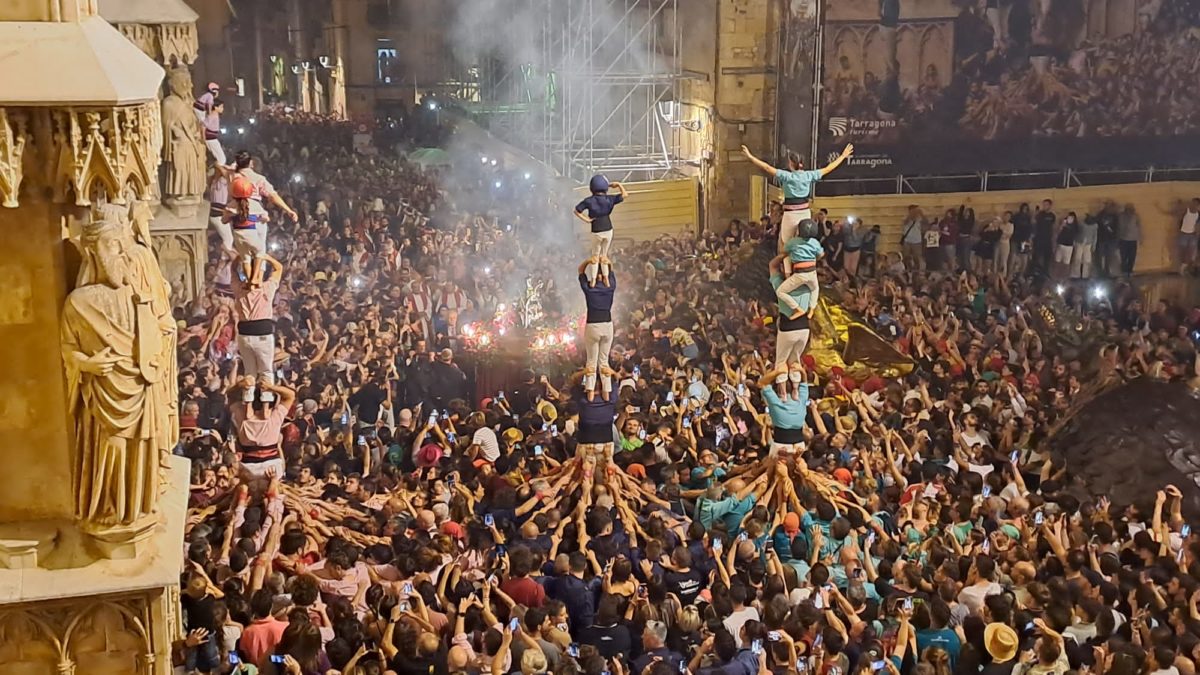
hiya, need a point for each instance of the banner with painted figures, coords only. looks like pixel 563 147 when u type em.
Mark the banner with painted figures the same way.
pixel 959 86
pixel 795 99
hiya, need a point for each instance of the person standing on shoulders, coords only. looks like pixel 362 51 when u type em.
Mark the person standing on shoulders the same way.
pixel 1186 242
pixel 596 211
pixel 797 185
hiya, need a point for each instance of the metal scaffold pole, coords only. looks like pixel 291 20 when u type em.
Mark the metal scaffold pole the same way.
pixel 605 89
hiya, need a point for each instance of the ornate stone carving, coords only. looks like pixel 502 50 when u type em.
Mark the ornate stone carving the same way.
pixel 85 636
pixel 183 139
pixel 181 256
pixel 98 151
pixel 143 37
pixel 179 43
pixel 118 343
pixel 14 133
pixel 171 44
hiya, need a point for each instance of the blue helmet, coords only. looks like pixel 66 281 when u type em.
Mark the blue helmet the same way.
pixel 808 229
pixel 599 183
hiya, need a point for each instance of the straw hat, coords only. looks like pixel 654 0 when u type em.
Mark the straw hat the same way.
pixel 1001 642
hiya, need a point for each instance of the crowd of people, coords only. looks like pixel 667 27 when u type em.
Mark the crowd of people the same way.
pixel 693 498
pixel 1035 68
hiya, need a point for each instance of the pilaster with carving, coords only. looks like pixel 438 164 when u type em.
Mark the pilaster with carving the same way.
pixel 106 634
pixel 77 153
pixel 171 44
pixel 14 133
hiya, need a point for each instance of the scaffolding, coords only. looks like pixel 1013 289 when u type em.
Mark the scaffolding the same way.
pixel 603 97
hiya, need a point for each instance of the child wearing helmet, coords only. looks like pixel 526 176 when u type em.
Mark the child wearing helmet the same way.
pixel 596 211
pixel 249 229
pixel 208 107
pixel 802 253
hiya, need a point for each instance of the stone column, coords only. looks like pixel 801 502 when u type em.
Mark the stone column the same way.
pixel 166 32
pixel 84 566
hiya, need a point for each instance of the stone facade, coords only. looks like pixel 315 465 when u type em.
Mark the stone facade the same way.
pixel 82 592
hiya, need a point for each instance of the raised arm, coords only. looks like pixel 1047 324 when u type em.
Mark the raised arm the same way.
pixel 829 168
pixel 767 168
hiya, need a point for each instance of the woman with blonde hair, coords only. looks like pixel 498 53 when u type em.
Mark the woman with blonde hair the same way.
pixel 685 633
pixel 938 660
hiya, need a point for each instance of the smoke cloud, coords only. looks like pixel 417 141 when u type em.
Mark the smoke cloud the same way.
pixel 545 55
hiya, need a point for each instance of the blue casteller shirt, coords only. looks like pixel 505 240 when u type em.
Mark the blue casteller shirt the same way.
pixel 803 249
pixel 599 208
pixel 729 510
pixel 599 298
pixel 796 185
pixel 787 416
pixel 596 418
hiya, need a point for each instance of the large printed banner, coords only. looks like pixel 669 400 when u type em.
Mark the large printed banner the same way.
pixel 797 74
pixel 959 86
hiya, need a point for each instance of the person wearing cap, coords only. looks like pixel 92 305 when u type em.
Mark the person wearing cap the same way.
pixel 596 211
pixel 800 257
pixel 248 229
pixel 598 331
pixel 789 413
pixel 261 189
pixel 792 335
pixel 208 107
pixel 1001 642
pixel 797 185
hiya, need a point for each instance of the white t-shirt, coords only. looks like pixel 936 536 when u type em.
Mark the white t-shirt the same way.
pixel 735 621
pixel 972 596
pixel 1188 226
pixel 973 438
pixel 485 438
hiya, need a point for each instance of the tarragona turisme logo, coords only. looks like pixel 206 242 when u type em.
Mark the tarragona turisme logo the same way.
pixel 868 161
pixel 851 126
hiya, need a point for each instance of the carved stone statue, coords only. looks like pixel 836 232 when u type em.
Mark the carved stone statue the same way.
pixel 118 344
pixel 183 140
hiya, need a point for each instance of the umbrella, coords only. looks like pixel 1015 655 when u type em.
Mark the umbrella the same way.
pixel 429 157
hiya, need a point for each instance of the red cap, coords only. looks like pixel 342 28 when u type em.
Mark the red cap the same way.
pixel 808 361
pixel 873 384
pixel 843 475
pixel 241 188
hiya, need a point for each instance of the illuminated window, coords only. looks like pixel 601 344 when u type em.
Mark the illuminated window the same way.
pixel 386 62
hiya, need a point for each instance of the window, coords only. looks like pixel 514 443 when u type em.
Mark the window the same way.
pixel 386 62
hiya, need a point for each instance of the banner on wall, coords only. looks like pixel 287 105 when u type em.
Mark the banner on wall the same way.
pixel 947 86
pixel 796 97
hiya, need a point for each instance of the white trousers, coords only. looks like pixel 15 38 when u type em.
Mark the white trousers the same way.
pixel 1081 261
pixel 223 229
pixel 214 148
pixel 251 242
pixel 258 356
pixel 789 346
pixel 791 224
pixel 601 243
pixel 794 283
pixel 597 340
pixel 786 449
pixel 261 471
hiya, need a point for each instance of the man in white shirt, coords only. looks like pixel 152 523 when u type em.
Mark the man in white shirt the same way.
pixel 1186 243
pixel 741 613
pixel 979 584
